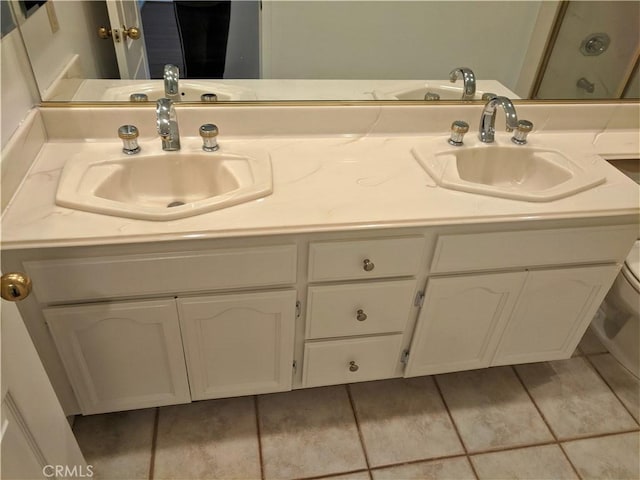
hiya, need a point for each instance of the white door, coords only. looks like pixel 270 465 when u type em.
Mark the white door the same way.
pixel 36 440
pixel 131 53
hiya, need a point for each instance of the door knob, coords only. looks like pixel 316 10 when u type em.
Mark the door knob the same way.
pixel 132 32
pixel 15 286
pixel 104 33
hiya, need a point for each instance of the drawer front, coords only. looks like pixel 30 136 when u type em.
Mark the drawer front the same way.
pixel 133 275
pixel 391 257
pixel 343 310
pixel 330 362
pixel 486 251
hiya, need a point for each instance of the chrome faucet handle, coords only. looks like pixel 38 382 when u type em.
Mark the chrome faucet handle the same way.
pixel 523 129
pixel 469 81
pixel 129 136
pixel 458 129
pixel 209 134
pixel 171 76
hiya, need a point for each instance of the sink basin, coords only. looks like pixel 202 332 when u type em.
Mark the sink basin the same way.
pixel 164 186
pixel 509 171
pixel 189 91
pixel 416 90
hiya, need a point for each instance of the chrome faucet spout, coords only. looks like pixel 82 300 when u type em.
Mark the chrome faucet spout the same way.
pixel 167 122
pixel 171 77
pixel 487 127
pixel 469 81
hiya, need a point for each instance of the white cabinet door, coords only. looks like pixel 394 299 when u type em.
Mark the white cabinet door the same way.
pixel 461 321
pixel 554 310
pixel 122 355
pixel 238 344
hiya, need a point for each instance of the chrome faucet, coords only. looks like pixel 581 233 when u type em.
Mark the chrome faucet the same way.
pixel 167 122
pixel 488 118
pixel 171 77
pixel 469 81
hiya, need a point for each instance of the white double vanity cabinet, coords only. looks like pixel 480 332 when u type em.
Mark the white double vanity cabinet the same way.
pixel 140 325
pixel 359 265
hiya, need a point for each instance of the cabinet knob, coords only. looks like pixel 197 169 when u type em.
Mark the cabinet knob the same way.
pixel 15 286
pixel 361 316
pixel 368 265
pixel 353 367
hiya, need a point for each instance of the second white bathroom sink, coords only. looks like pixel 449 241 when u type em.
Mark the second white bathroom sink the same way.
pixel 510 171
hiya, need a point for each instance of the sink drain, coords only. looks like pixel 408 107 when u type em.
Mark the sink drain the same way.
pixel 177 203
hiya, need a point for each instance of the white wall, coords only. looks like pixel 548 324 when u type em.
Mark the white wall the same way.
pixel 396 39
pixel 51 51
pixel 18 89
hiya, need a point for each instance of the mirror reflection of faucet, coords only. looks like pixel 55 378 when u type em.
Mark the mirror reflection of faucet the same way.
pixel 469 81
pixel 171 76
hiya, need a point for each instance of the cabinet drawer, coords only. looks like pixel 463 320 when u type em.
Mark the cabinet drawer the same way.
pixel 391 257
pixel 330 362
pixel 359 309
pixel 132 275
pixel 485 251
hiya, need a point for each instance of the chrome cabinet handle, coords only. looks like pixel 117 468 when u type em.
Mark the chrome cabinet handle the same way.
pixel 368 265
pixel 361 316
pixel 15 286
pixel 353 367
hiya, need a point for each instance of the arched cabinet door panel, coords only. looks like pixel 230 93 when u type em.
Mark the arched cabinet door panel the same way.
pixel 460 323
pixel 121 355
pixel 238 344
pixel 554 310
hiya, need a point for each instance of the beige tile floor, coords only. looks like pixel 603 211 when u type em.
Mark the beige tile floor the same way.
pixel 570 419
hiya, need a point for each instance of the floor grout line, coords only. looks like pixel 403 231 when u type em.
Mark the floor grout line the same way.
pixel 259 435
pixel 154 442
pixel 544 419
pixel 610 387
pixel 455 427
pixel 360 435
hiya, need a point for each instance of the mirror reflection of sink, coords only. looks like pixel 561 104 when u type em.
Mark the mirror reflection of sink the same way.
pixel 189 91
pixel 163 186
pixel 416 90
pixel 509 171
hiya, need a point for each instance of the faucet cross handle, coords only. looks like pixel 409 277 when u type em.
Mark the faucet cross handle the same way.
pixel 469 81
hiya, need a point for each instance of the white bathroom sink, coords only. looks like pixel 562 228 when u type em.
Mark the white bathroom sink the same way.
pixel 163 186
pixel 510 171
pixel 189 91
pixel 416 90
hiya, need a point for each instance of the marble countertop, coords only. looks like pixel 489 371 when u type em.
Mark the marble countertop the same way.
pixel 321 183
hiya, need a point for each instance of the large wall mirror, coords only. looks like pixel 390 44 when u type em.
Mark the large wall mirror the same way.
pixel 251 50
